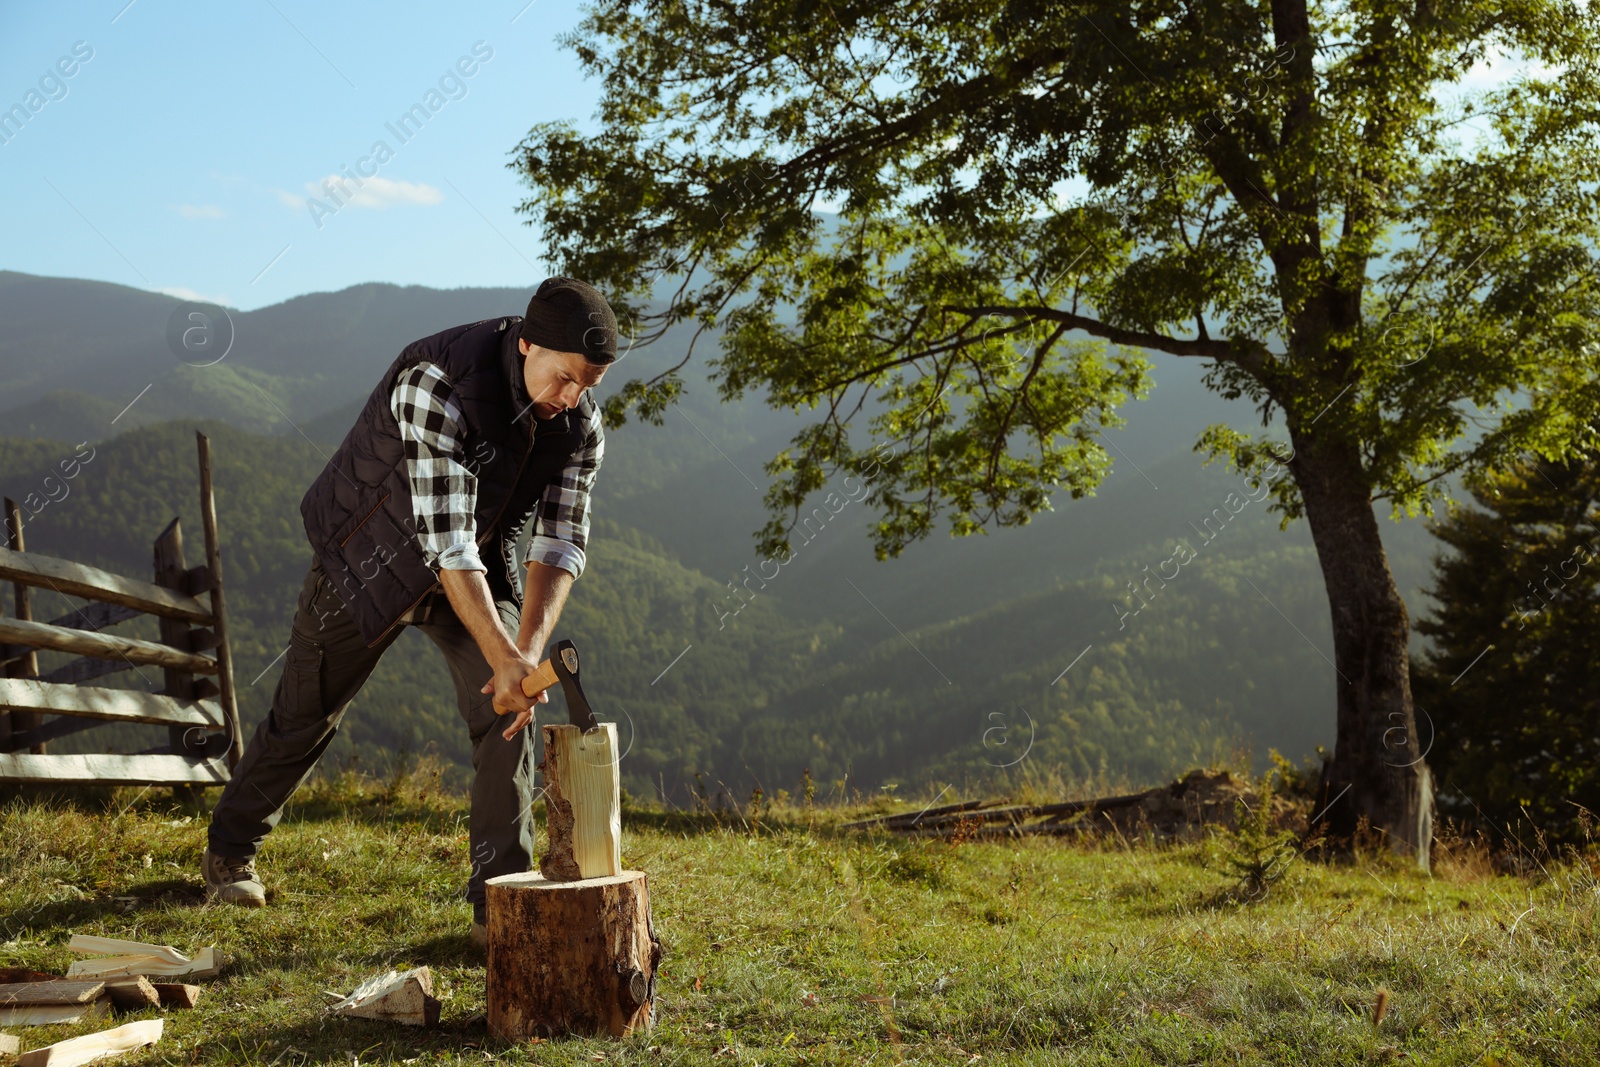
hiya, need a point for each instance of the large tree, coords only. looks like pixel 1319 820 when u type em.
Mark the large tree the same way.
pixel 1027 194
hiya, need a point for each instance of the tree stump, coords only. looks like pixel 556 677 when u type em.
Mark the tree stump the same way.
pixel 572 948
pixel 570 957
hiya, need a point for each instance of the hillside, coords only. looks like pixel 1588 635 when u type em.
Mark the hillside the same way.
pixel 945 663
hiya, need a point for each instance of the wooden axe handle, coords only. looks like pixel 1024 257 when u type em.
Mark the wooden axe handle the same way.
pixel 540 680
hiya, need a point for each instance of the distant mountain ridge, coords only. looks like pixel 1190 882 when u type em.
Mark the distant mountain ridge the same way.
pixel 837 662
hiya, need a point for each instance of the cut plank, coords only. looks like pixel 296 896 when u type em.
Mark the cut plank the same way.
pixel 90 1047
pixel 106 646
pixel 131 994
pixel 165 769
pixel 123 705
pixel 53 992
pixel 395 996
pixel 77 579
pixel 177 994
pixel 583 802
pixel 49 1014
pixel 92 944
pixel 204 965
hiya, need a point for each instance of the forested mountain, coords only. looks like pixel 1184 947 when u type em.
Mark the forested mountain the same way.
pixel 944 663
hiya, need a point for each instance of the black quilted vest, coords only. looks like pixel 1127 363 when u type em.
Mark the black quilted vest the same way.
pixel 358 514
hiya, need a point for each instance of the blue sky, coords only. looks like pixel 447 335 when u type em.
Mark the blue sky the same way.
pixel 192 151
pixel 182 153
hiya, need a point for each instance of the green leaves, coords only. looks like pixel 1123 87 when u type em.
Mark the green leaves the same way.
pixel 909 217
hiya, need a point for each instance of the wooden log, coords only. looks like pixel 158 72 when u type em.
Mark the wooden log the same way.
pixel 21 994
pixel 78 579
pixel 123 705
pixel 52 1014
pixel 570 957
pixel 77 1050
pixel 582 802
pixel 171 572
pixel 178 994
pixel 164 769
pixel 219 611
pixel 396 997
pixel 26 665
pixel 105 646
pixel 132 994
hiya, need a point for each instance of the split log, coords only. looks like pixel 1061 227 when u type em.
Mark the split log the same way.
pixel 90 1047
pixel 396 997
pixel 177 994
pixel 582 802
pixel 52 992
pixel 132 994
pixel 50 1014
pixel 574 957
pixel 203 965
pixel 92 944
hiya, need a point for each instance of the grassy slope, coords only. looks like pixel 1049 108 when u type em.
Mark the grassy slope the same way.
pixel 797 943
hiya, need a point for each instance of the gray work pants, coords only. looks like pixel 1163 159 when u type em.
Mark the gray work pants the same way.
pixel 325 666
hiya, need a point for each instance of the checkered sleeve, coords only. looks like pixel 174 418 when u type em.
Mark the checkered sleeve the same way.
pixel 561 518
pixel 443 491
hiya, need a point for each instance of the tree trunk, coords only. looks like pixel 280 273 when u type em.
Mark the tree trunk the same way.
pixel 1378 768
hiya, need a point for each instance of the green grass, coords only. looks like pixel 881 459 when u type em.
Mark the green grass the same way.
pixel 791 941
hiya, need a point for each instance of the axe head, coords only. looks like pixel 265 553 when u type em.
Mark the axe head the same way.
pixel 565 663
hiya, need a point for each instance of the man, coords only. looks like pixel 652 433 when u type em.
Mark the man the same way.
pixel 469 433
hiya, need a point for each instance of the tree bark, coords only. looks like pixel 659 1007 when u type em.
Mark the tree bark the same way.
pixel 1378 768
pixel 570 957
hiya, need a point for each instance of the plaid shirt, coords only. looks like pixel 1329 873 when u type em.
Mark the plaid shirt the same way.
pixel 444 487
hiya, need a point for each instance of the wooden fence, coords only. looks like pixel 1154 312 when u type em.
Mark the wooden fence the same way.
pixel 196 702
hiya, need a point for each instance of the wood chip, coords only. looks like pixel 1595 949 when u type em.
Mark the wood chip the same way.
pixel 396 996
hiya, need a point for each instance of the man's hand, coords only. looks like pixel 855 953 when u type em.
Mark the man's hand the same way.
pixel 509 699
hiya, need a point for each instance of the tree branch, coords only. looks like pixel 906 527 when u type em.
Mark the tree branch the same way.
pixel 1251 355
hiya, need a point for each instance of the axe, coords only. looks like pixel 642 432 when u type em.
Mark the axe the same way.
pixel 562 667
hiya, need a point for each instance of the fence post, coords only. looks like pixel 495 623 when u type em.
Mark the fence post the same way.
pixel 28 665
pixel 208 520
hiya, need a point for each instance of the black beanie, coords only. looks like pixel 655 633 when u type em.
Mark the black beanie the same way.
pixel 571 316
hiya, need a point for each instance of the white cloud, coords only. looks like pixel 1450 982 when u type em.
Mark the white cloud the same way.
pixel 288 199
pixel 200 211
pixel 183 292
pixel 340 191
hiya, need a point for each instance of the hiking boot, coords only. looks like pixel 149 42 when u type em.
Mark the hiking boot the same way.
pixel 232 881
pixel 480 934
